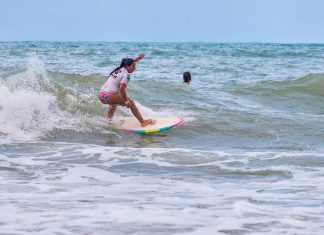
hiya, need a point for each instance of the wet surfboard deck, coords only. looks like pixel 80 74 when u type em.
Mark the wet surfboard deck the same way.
pixel 131 124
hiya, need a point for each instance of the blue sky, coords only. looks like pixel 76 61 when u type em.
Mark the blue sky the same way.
pixel 289 21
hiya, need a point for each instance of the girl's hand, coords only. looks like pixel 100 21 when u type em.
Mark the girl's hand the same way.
pixel 139 57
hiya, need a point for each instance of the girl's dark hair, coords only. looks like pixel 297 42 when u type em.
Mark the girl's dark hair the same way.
pixel 186 77
pixel 124 62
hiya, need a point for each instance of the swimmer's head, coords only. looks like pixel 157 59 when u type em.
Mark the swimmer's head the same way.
pixel 186 78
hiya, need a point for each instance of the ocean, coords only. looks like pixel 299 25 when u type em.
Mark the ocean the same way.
pixel 248 159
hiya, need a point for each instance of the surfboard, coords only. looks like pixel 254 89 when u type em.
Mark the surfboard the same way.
pixel 131 124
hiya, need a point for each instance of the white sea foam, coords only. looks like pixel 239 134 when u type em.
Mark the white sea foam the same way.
pixel 25 115
pixel 29 104
pixel 150 190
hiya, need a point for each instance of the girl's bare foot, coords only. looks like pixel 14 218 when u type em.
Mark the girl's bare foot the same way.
pixel 148 122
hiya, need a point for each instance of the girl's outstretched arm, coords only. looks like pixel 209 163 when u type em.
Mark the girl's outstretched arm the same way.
pixel 139 57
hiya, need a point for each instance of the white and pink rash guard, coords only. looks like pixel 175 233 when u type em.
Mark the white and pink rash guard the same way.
pixel 114 80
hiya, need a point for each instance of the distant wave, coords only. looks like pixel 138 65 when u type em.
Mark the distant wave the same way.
pixel 310 84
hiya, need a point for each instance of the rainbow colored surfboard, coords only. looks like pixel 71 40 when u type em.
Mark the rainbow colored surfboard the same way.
pixel 131 124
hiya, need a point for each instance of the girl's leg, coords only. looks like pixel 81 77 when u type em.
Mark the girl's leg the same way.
pixel 117 100
pixel 138 115
pixel 111 111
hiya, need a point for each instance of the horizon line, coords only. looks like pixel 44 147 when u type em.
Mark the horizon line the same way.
pixel 117 41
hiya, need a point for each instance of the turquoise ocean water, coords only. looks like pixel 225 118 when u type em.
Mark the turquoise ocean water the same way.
pixel 249 158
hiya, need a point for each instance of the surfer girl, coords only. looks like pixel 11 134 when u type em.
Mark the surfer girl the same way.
pixel 113 91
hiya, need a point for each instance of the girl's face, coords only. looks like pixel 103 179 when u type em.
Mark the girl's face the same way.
pixel 131 68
